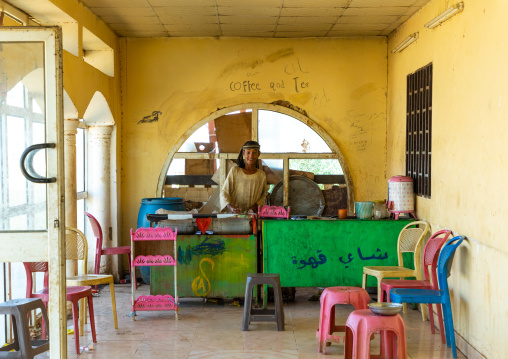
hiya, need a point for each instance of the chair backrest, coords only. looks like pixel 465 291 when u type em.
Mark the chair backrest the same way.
pixel 33 267
pixel 411 240
pixel 445 261
pixel 431 253
pixel 97 231
pixel 76 246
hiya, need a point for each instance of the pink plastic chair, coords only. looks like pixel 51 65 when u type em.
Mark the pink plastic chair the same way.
pixel 362 324
pixel 99 251
pixel 74 294
pixel 430 257
pixel 358 297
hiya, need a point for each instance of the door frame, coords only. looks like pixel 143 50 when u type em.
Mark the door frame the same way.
pixel 49 245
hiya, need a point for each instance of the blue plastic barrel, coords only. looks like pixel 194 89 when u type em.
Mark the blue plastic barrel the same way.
pixel 150 205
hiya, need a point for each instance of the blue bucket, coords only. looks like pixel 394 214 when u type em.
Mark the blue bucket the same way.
pixel 364 210
pixel 150 205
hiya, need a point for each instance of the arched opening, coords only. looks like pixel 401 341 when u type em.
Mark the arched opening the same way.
pixel 291 144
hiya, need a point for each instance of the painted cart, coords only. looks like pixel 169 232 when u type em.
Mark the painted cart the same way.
pixel 325 253
pixel 210 265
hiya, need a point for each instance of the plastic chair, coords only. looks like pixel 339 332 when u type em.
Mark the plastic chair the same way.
pixel 410 241
pixel 430 257
pixel 76 247
pixel 99 251
pixel 441 296
pixel 74 294
pixel 361 325
pixel 23 347
pixel 330 297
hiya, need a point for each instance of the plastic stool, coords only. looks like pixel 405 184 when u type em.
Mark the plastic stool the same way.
pixel 23 346
pixel 358 297
pixel 263 315
pixel 362 324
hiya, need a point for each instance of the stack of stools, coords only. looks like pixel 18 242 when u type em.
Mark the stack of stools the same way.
pixel 357 297
pixel 263 315
pixel 361 325
pixel 19 309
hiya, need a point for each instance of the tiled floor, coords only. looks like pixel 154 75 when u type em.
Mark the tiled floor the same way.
pixel 212 330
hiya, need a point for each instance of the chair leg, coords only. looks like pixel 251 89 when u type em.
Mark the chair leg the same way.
pixel 113 302
pixel 446 324
pixel 450 330
pixel 364 281
pixel 247 304
pixel 97 266
pixel 75 318
pixel 84 310
pixel 379 289
pixel 431 319
pixel 44 332
pixel 92 318
pixel 441 324
pixel 82 315
pixel 279 308
pixel 424 312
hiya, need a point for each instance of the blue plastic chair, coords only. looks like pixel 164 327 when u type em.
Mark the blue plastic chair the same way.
pixel 442 296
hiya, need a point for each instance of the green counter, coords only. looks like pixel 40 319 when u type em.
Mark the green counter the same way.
pixel 212 266
pixel 325 253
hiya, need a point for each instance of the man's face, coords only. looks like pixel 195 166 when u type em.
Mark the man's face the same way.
pixel 250 155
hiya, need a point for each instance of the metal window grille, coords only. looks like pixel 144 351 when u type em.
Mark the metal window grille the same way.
pixel 419 129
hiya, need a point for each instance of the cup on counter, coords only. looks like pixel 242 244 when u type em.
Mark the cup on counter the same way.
pixel 342 213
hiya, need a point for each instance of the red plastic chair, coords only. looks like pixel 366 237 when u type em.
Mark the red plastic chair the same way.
pixel 430 258
pixel 74 294
pixel 99 251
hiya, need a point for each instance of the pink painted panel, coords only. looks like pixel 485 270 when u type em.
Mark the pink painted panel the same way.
pixel 157 260
pixel 273 212
pixel 155 302
pixel 154 234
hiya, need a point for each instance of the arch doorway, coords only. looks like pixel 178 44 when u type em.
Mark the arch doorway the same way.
pixel 291 144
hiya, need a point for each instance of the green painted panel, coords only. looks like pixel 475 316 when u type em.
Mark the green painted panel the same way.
pixel 213 266
pixel 312 253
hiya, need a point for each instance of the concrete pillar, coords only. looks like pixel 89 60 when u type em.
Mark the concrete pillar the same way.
pixel 70 131
pixel 99 190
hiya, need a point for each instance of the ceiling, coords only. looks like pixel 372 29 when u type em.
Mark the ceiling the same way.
pixel 254 18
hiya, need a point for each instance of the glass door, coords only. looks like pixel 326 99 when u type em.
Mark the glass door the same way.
pixel 32 226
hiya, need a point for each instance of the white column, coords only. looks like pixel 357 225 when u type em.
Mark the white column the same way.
pixel 99 190
pixel 70 131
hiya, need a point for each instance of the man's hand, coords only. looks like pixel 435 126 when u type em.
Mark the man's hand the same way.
pixel 234 209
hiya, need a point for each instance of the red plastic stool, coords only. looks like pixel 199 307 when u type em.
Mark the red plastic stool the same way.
pixel 358 297
pixel 362 324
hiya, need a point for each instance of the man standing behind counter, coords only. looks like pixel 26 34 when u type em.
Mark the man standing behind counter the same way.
pixel 245 187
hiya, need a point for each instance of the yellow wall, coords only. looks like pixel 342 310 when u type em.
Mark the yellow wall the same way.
pixel 469 175
pixel 187 79
pixel 82 80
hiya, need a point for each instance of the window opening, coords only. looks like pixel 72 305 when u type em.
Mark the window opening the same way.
pixel 285 141
pixel 419 129
pixel 280 133
pixel 81 173
pixel 22 120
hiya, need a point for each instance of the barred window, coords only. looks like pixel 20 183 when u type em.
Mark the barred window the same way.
pixel 419 129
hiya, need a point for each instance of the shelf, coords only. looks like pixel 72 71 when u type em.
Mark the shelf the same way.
pixel 153 247
pixel 157 260
pixel 155 302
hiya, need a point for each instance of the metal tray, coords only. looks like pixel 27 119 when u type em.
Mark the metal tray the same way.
pixel 385 308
